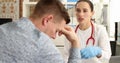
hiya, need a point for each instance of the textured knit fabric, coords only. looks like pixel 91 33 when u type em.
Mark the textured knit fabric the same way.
pixel 21 42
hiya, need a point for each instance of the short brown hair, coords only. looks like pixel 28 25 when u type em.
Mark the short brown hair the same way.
pixel 50 7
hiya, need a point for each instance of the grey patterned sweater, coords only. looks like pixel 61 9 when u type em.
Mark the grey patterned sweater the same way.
pixel 21 42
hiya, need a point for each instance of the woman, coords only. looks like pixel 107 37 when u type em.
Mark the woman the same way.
pixel 95 44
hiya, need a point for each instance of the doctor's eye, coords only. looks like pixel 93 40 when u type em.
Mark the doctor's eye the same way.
pixel 78 10
pixel 85 10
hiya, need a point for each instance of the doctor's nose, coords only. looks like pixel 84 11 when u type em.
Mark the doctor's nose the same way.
pixel 80 14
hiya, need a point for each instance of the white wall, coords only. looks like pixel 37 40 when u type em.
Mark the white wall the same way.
pixel 114 15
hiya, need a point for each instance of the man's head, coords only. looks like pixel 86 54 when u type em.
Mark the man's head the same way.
pixel 49 16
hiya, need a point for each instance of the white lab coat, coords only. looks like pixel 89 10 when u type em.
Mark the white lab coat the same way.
pixel 101 40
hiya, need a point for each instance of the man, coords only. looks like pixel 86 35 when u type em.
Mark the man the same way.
pixel 29 40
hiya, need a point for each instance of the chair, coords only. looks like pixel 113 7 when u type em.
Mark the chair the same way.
pixel 5 20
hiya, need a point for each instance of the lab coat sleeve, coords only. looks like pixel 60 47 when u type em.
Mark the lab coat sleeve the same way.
pixel 104 44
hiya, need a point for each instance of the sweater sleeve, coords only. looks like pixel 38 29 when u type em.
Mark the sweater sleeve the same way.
pixel 50 54
pixel 74 55
pixel 53 55
pixel 71 55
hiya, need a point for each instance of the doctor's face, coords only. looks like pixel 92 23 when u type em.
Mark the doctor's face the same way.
pixel 83 12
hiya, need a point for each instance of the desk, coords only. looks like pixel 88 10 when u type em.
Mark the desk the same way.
pixel 115 59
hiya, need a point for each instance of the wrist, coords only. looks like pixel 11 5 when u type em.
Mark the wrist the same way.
pixel 75 44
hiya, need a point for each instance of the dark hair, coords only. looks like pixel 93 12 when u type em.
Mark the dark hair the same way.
pixel 54 7
pixel 88 1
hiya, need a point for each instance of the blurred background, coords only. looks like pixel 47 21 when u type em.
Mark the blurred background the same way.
pixel 107 13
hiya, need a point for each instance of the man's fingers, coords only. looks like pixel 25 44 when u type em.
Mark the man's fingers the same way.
pixel 66 30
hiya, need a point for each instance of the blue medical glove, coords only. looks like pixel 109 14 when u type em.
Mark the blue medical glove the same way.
pixel 90 51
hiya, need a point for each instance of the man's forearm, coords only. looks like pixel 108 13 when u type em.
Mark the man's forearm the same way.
pixel 75 56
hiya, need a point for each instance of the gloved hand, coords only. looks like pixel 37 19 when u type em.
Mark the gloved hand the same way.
pixel 90 51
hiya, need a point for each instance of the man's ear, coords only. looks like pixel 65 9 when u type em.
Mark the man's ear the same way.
pixel 47 19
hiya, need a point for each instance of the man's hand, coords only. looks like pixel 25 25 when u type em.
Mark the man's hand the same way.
pixel 71 36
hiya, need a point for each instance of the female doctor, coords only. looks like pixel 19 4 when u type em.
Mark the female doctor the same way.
pixel 94 41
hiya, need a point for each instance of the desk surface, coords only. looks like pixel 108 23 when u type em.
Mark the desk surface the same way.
pixel 115 59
